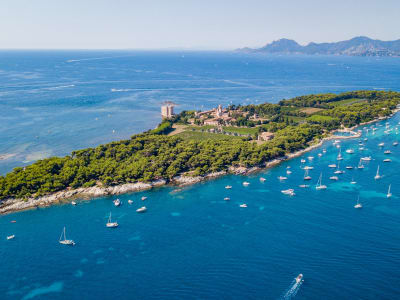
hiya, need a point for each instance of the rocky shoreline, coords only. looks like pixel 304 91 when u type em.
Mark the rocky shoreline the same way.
pixel 14 204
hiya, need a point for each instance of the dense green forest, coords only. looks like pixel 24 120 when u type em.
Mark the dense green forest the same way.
pixel 154 155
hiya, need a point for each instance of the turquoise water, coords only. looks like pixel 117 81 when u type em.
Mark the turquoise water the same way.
pixel 191 244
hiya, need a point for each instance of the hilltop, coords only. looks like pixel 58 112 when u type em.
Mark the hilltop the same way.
pixel 358 46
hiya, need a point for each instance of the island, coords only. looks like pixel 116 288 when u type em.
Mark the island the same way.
pixel 195 145
pixel 358 46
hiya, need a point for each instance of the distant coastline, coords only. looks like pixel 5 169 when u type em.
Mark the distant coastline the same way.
pixel 358 46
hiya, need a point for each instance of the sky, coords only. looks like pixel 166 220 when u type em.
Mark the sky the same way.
pixel 189 24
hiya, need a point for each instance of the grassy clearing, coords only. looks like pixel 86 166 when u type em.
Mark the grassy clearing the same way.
pixel 346 102
pixel 310 110
pixel 240 130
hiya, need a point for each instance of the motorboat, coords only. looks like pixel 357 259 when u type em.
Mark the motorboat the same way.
pixel 308 168
pixel 332 166
pixel 111 224
pixel 282 178
pixel 353 181
pixel 244 205
pixel 10 237
pixel 144 198
pixel 350 151
pixel 349 167
pixel 304 186
pixel 334 178
pixel 381 144
pixel 63 239
pixel 366 158
pixel 130 201
pixel 246 183
pixel 262 179
pixel 395 143
pixel 302 160
pixel 227 199
pixel 288 172
pixel 310 157
pixel 387 152
pixel 289 192
pixel 323 150
pixel 299 278
pixel 319 154
pixel 73 203
pixel 141 209
pixel 117 202
pixel 228 187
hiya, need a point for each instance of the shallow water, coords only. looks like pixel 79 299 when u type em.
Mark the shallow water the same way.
pixel 194 245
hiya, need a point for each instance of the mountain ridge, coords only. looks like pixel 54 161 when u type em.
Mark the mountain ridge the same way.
pixel 357 46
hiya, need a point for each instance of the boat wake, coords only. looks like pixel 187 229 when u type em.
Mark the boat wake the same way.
pixel 291 292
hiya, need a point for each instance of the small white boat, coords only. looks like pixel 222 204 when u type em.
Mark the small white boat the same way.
pixel 144 198
pixel 306 176
pixel 303 161
pixel 395 143
pixel 323 150
pixel 310 157
pixel 73 203
pixel 246 183
pixel 282 178
pixel 366 158
pixel 389 193
pixel 388 152
pixel 288 167
pixel 288 192
pixel 349 167
pixel 332 166
pixel 299 278
pixel 63 239
pixel 350 151
pixel 130 201
pixel 358 205
pixel 365 139
pixel 387 160
pixel 377 176
pixel 334 178
pixel 10 237
pixel 141 209
pixel 319 154
pixel 338 172
pixel 360 165
pixel 361 148
pixel 244 205
pixel 308 168
pixel 117 202
pixel 288 172
pixel 319 185
pixel 262 179
pixel 227 198
pixel 110 224
pixel 352 181
pixel 228 187
pixel 304 186
pixel 381 144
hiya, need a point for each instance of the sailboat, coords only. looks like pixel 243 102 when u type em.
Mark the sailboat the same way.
pixel 353 181
pixel 338 171
pixel 111 224
pixel 377 176
pixel 360 164
pixel 306 176
pixel 389 193
pixel 339 157
pixel 320 186
pixel 358 205
pixel 63 239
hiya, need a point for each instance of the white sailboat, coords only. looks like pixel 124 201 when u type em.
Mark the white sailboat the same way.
pixel 353 181
pixel 360 164
pixel 63 239
pixel 111 224
pixel 339 157
pixel 306 176
pixel 358 205
pixel 377 176
pixel 319 185
pixel 389 193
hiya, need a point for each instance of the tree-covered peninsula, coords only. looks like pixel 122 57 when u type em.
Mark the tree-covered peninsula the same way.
pixel 198 143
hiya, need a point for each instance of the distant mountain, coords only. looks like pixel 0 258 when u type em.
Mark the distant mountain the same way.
pixel 358 46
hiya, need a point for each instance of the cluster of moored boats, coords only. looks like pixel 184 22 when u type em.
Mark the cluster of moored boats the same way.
pixel 336 166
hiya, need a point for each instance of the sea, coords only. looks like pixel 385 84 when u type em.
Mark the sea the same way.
pixel 191 243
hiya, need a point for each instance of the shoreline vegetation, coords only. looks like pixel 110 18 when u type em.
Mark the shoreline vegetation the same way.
pixel 156 158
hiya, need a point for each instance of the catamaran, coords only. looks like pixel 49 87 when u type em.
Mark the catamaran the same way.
pixel 377 176
pixel 358 205
pixel 306 176
pixel 111 224
pixel 63 239
pixel 389 194
pixel 319 185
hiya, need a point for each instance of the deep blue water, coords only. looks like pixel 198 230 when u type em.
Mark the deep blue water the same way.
pixel 191 244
